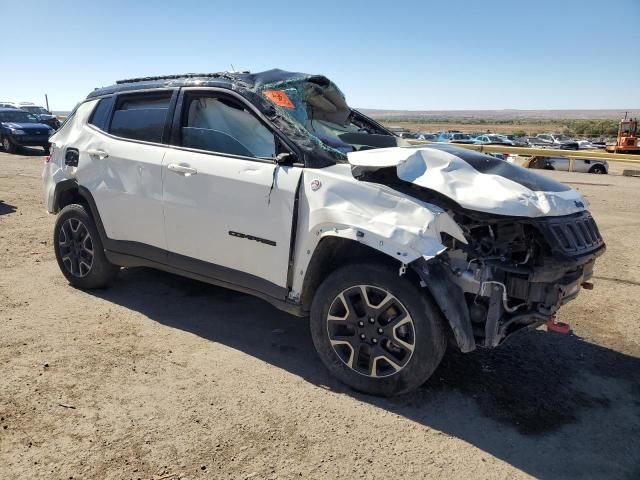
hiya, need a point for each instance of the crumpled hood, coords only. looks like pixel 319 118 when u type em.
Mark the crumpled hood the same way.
pixel 475 181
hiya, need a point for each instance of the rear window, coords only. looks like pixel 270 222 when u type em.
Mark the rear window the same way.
pixel 100 116
pixel 141 117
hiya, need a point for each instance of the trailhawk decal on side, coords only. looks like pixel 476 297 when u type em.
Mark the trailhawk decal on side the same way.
pixel 251 237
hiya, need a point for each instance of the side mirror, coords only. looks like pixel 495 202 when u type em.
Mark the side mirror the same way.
pixel 285 158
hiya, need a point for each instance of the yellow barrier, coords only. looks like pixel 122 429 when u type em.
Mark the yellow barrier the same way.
pixel 544 152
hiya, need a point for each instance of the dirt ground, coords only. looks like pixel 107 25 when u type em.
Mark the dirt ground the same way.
pixel 163 377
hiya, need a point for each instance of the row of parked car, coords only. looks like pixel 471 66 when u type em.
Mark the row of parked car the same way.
pixel 545 140
pixel 42 114
pixel 25 124
pixel 549 140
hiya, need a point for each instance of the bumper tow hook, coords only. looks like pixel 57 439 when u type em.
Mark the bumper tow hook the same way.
pixel 558 327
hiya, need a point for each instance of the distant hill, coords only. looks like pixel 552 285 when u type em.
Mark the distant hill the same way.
pixel 502 115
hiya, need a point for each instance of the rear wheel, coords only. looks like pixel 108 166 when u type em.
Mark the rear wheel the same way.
pixel 8 145
pixel 376 331
pixel 79 250
pixel 598 169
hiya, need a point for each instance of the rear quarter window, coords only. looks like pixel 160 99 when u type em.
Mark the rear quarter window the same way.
pixel 141 117
pixel 100 115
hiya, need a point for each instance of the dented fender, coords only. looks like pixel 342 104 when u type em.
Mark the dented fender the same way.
pixel 333 203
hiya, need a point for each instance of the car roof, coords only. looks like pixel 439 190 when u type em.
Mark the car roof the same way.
pixel 231 80
pixel 4 109
pixel 251 86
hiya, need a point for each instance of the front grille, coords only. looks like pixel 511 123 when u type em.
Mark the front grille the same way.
pixel 30 138
pixel 572 235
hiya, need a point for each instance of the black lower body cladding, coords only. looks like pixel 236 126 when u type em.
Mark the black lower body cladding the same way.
pixel 450 300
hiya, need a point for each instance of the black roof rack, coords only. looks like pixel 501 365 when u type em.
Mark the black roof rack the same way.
pixel 240 79
pixel 183 75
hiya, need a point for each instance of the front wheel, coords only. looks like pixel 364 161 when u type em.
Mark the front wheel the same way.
pixel 375 330
pixel 79 250
pixel 8 145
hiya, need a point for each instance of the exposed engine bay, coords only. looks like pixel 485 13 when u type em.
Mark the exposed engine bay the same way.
pixel 513 271
pixel 516 273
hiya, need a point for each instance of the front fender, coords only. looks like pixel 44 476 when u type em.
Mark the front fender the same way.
pixel 403 252
pixel 333 203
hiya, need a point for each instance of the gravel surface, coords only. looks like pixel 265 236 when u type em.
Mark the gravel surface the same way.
pixel 164 377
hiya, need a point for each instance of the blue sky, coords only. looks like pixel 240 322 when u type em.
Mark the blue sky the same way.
pixel 417 55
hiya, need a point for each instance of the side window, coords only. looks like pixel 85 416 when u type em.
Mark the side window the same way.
pixel 100 115
pixel 141 117
pixel 222 124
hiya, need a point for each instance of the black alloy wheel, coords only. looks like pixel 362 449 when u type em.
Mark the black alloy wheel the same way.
pixel 371 331
pixel 76 247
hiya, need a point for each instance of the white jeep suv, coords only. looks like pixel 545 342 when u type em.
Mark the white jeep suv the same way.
pixel 271 185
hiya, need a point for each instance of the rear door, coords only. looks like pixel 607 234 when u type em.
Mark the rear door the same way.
pixel 228 205
pixel 125 171
pixel 559 163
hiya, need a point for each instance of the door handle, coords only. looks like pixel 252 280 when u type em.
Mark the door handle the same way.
pixel 182 169
pixel 101 154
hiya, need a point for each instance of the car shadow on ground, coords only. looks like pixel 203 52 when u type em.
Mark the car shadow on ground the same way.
pixel 29 152
pixel 6 208
pixel 551 405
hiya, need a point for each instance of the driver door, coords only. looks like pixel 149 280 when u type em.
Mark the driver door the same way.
pixel 228 205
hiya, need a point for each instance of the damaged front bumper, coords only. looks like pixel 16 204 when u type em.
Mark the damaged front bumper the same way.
pixel 486 299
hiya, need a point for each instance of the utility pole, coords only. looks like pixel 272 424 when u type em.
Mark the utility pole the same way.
pixel 46 100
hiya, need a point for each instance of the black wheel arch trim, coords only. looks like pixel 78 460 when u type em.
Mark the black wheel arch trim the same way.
pixel 450 299
pixel 61 187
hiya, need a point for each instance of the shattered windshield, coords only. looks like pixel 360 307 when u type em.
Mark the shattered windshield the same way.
pixel 37 110
pixel 319 107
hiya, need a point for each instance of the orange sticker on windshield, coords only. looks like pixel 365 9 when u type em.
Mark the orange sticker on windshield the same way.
pixel 279 98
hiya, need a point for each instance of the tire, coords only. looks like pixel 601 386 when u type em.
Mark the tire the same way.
pixel 8 145
pixel 47 149
pixel 408 333
pixel 75 235
pixel 598 169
